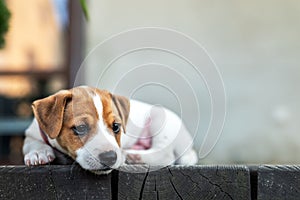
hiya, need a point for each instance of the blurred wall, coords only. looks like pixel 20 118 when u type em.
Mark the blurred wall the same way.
pixel 33 40
pixel 256 46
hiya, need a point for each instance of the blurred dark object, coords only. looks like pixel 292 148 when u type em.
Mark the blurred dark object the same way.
pixel 11 129
pixel 62 159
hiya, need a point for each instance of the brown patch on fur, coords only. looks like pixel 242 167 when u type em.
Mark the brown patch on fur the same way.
pixel 76 107
pixel 109 114
pixel 118 139
pixel 81 110
pixel 49 112
pixel 121 106
pixel 115 109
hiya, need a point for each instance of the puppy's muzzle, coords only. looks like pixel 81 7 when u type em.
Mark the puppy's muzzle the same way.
pixel 108 158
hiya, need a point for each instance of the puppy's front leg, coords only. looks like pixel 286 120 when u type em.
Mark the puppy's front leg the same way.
pixel 35 151
pixel 133 159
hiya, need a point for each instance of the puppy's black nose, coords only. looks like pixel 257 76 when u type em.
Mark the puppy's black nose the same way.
pixel 108 158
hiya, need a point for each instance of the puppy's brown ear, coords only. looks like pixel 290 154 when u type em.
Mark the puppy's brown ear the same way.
pixel 122 106
pixel 49 112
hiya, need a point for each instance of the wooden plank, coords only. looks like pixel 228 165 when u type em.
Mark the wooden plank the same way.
pixel 52 182
pixel 178 182
pixel 278 182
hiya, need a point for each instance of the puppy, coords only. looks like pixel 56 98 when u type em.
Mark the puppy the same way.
pixel 101 131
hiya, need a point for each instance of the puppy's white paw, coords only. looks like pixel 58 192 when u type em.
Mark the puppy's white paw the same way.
pixel 39 157
pixel 133 159
pixel 189 158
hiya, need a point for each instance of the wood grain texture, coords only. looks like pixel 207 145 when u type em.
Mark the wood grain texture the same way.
pixel 178 182
pixel 173 182
pixel 278 182
pixel 52 182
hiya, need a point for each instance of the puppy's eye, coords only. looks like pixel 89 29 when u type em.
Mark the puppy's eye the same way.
pixel 80 130
pixel 116 127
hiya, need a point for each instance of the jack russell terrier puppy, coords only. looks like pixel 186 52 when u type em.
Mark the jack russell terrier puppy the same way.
pixel 101 131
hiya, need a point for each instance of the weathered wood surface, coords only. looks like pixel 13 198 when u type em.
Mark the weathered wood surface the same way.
pixel 52 182
pixel 173 182
pixel 278 182
pixel 177 182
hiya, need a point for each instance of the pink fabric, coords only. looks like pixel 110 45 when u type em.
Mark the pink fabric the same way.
pixel 145 140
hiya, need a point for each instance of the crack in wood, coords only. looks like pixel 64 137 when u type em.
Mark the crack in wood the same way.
pixel 170 171
pixel 114 185
pixel 190 178
pixel 178 194
pixel 157 192
pixel 143 185
pixel 215 184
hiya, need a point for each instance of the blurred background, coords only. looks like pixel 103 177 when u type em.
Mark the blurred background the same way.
pixel 255 44
pixel 42 48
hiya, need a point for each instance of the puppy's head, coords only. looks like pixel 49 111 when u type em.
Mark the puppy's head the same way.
pixel 86 123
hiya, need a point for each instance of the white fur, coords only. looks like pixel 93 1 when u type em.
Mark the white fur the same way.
pixel 87 156
pixel 35 150
pixel 171 141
